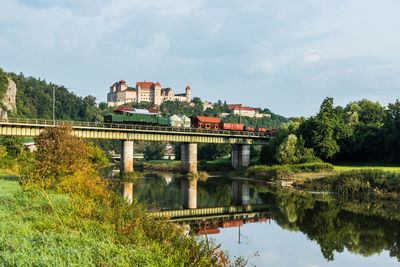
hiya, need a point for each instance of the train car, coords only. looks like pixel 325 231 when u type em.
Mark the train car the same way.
pixel 261 129
pixel 137 116
pixel 249 129
pixel 209 123
pixel 232 126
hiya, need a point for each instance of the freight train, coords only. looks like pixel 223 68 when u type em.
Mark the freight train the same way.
pixel 144 116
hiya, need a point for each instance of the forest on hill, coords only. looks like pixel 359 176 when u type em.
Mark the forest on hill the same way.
pixel 34 100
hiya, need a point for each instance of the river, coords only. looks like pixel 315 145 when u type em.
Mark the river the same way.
pixel 284 227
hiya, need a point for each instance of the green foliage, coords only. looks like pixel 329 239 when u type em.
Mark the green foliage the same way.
pixel 361 183
pixel 324 131
pixel 3 83
pixel 34 100
pixel 213 151
pixel 286 153
pixel 284 150
pixel 391 131
pixel 284 171
pixel 46 229
pixel 154 150
pixel 14 145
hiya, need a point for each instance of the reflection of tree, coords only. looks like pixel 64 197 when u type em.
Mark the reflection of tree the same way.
pixel 213 193
pixel 333 227
pixel 154 191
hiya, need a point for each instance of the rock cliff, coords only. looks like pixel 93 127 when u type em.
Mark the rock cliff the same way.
pixel 8 100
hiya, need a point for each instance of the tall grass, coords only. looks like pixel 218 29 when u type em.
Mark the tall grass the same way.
pixel 284 171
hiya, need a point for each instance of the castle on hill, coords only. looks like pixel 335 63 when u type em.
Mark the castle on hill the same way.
pixel 120 93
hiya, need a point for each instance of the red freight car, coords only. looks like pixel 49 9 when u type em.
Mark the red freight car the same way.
pixel 232 126
pixel 261 130
pixel 249 129
pixel 209 123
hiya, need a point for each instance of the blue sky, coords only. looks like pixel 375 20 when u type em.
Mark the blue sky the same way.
pixel 284 55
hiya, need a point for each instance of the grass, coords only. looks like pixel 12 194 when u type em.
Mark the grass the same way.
pixel 285 171
pixel 40 230
pixel 359 166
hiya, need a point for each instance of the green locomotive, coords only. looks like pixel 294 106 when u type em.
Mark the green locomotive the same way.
pixel 137 116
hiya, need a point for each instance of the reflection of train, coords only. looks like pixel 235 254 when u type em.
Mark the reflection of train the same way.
pixel 144 116
pixel 212 227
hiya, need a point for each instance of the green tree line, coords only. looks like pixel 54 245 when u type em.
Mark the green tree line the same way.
pixel 362 131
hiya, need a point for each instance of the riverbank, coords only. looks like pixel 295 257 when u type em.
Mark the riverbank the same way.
pixel 359 183
pixel 48 228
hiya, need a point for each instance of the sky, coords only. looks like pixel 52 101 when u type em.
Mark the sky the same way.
pixel 285 55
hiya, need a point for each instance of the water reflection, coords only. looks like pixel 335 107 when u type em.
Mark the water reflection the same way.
pixel 338 226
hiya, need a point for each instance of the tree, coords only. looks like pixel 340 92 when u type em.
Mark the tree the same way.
pixel 66 163
pixel 14 145
pixel 213 151
pixel 154 150
pixel 287 151
pixel 269 152
pixel 391 131
pixel 3 83
pixel 324 131
pixel 90 100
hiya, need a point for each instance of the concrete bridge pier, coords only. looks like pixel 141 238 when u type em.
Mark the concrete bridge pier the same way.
pixel 240 193
pixel 126 156
pixel 189 193
pixel 240 156
pixel 189 158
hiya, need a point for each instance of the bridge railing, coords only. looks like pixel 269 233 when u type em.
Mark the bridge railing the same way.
pixel 131 127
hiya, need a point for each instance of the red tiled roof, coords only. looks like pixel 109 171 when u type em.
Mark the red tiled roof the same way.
pixel 208 119
pixel 158 84
pixel 188 87
pixel 232 106
pixel 123 109
pixel 122 81
pixel 243 108
pixel 145 85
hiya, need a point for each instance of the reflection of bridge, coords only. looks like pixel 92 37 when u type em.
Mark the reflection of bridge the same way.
pixel 209 220
pixel 129 132
pixel 217 212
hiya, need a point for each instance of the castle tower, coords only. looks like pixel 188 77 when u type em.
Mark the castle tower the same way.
pixel 157 93
pixel 188 93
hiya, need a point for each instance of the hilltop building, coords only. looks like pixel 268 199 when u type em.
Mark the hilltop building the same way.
pixel 238 109
pixel 151 92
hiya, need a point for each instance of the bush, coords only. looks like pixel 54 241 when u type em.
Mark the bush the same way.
pixel 268 172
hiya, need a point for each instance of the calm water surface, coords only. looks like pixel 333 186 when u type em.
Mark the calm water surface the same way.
pixel 297 229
